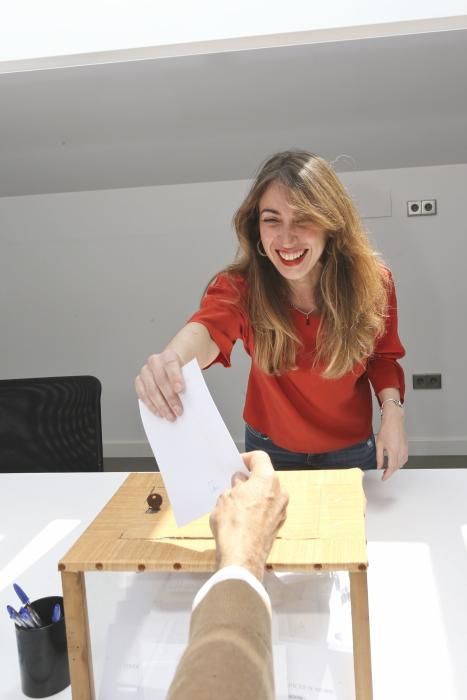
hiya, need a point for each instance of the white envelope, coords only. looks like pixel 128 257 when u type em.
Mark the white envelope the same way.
pixel 196 454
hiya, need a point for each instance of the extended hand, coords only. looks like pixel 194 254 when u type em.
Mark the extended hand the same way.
pixel 247 518
pixel 159 384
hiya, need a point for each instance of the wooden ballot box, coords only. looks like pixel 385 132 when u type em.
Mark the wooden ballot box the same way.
pixel 324 530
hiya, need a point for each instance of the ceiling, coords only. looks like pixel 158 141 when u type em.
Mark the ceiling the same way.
pixel 387 102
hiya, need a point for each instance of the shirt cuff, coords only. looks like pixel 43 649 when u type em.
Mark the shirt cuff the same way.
pixel 227 573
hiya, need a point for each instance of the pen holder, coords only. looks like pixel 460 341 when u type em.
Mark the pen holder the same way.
pixel 42 651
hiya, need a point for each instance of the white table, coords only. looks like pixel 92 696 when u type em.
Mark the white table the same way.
pixel 417 541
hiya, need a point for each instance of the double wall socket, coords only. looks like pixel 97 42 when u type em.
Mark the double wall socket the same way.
pixel 426 381
pixel 421 207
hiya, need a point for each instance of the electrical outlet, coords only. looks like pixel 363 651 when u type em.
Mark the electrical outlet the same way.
pixel 414 208
pixel 428 207
pixel 426 381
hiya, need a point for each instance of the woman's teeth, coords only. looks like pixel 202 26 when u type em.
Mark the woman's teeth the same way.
pixel 291 256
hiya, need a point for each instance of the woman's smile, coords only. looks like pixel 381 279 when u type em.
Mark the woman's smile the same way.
pixel 292 258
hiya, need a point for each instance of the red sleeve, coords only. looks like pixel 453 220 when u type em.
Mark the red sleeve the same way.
pixel 383 368
pixel 222 313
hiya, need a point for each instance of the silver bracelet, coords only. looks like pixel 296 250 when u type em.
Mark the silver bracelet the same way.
pixel 398 402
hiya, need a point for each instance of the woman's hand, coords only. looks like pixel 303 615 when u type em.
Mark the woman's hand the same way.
pixel 391 440
pixel 159 384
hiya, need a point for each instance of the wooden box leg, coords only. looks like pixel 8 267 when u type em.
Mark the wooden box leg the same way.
pixel 77 633
pixel 361 635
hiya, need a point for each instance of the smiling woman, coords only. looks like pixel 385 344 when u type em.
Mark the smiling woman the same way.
pixel 316 310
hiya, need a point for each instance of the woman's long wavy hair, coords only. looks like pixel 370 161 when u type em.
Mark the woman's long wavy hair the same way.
pixel 352 294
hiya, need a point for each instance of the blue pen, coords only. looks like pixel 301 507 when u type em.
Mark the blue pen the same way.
pixel 26 618
pixel 25 600
pixel 14 616
pixel 56 612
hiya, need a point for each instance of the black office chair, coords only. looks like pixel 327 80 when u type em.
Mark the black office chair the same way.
pixel 51 424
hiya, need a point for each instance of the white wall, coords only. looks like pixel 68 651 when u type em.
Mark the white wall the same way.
pixel 53 28
pixel 92 282
pixel 427 255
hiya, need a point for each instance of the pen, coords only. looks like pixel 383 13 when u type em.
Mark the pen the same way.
pixel 14 616
pixel 56 612
pixel 25 600
pixel 26 618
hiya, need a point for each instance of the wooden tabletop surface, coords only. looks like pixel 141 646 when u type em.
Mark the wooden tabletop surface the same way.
pixel 325 529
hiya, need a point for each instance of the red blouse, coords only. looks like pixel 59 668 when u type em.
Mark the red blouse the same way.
pixel 299 410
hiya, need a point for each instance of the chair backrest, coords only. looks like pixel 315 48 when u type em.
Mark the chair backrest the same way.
pixel 51 424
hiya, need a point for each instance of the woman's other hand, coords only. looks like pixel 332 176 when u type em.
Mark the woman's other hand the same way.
pixel 391 441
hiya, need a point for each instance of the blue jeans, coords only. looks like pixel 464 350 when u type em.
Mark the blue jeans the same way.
pixel 362 455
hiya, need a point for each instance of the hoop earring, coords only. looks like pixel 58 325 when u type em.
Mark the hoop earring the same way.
pixel 258 248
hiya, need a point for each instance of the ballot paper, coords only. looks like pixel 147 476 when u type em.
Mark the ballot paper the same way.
pixel 195 454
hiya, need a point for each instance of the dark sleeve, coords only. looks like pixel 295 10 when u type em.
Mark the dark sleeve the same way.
pixel 229 653
pixel 384 370
pixel 222 313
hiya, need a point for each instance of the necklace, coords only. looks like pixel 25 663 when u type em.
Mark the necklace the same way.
pixel 307 314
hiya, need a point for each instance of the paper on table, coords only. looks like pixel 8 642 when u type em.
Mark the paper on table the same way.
pixel 196 454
